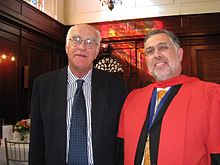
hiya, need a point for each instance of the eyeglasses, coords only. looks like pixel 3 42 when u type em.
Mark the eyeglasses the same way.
pixel 90 43
pixel 161 47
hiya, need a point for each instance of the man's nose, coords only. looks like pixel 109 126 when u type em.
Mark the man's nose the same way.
pixel 82 45
pixel 157 53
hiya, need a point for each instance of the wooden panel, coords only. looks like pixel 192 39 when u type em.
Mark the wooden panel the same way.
pixel 35 37
pixel 39 61
pixel 9 44
pixel 211 39
pixel 172 23
pixel 187 63
pixel 11 5
pixel 201 23
pixel 28 16
pixel 5 26
pixel 59 58
pixel 37 42
pixel 206 60
pixel 36 17
pixel 37 56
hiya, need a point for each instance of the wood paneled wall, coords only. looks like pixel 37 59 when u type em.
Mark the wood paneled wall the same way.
pixel 199 35
pixel 38 44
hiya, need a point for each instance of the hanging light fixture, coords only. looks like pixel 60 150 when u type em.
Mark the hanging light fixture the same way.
pixel 110 3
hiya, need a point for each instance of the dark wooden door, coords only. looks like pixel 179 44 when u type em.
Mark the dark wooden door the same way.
pixel 36 56
pixel 9 46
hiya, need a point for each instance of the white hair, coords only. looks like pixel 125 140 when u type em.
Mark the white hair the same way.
pixel 68 36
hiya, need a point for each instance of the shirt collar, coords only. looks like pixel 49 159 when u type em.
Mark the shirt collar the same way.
pixel 71 78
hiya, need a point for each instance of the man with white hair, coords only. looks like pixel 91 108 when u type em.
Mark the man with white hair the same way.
pixel 54 121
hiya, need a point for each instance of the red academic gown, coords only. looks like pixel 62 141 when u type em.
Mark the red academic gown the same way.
pixel 190 129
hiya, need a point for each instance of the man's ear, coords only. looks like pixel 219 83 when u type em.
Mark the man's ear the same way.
pixel 66 48
pixel 97 51
pixel 180 54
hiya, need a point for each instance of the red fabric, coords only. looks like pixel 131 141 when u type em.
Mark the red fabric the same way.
pixel 191 124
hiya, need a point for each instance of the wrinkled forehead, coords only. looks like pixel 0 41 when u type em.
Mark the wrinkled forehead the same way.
pixel 84 32
pixel 157 39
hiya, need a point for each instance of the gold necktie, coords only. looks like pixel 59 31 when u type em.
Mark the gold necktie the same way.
pixel 147 152
pixel 160 95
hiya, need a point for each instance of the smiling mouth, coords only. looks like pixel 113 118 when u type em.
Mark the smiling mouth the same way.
pixel 159 64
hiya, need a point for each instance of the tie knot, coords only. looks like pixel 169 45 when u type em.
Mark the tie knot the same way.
pixel 79 83
pixel 160 94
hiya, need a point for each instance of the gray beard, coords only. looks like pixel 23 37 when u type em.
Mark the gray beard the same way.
pixel 160 77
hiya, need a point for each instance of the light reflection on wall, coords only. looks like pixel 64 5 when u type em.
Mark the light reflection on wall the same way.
pixel 4 57
pixel 128 28
pixel 114 33
pixel 126 39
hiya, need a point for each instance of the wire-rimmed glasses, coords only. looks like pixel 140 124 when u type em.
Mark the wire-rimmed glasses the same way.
pixel 161 47
pixel 90 43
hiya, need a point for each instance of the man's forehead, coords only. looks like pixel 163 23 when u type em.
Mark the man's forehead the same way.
pixel 84 33
pixel 157 39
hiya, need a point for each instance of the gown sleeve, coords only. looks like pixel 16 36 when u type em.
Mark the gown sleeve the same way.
pixel 212 91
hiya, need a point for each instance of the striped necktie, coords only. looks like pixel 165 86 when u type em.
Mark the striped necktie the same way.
pixel 160 95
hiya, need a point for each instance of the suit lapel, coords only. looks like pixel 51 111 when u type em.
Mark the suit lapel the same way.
pixel 59 103
pixel 98 98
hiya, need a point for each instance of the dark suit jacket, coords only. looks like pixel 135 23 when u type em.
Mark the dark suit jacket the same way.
pixel 48 117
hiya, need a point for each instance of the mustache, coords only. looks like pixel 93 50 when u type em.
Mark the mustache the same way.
pixel 159 59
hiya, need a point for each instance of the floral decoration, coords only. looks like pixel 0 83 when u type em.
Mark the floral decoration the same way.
pixel 23 126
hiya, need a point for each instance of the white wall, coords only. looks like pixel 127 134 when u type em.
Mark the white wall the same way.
pixel 71 12
pixel 55 9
